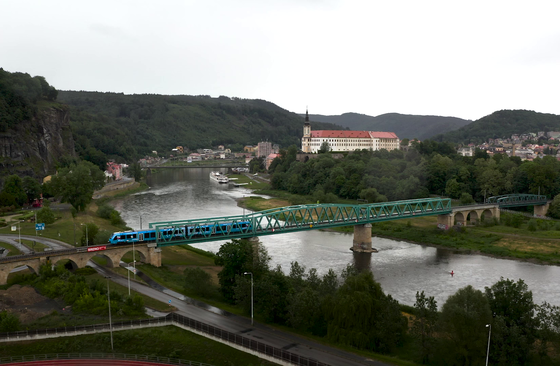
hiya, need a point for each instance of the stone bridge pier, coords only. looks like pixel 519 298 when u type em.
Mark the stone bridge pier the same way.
pixel 541 210
pixel 362 239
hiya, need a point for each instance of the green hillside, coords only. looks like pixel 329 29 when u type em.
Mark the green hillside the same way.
pixel 503 124
pixel 130 126
pixel 405 126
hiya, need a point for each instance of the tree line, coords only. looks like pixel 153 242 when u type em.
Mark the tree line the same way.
pixel 428 168
pixel 354 311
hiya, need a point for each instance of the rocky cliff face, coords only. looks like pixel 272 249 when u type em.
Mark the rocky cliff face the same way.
pixel 33 147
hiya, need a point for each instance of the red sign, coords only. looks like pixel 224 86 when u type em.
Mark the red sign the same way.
pixel 95 249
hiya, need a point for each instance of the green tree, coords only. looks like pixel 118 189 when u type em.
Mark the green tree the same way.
pixel 554 208
pixel 136 171
pixel 46 216
pixel 363 316
pixel 13 185
pixel 453 189
pixel 548 320
pixel 466 198
pixel 514 324
pixel 89 234
pixel 270 295
pixel 325 148
pixel 77 183
pixel 462 323
pixel 237 257
pixel 424 325
pixel 32 188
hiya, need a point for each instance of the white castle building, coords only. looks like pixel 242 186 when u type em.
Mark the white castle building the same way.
pixel 341 140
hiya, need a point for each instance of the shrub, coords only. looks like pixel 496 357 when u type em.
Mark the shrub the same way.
pixel 466 198
pixel 532 225
pixel 104 211
pixel 198 281
pixel 46 216
pixel 8 322
pixel 116 218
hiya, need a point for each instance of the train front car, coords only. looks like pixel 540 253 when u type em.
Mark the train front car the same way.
pixel 117 238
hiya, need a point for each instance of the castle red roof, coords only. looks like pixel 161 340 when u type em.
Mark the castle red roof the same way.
pixel 353 134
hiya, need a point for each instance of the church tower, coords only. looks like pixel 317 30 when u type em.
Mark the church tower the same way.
pixel 306 139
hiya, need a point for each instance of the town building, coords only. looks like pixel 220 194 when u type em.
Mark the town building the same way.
pixel 344 140
pixel 266 148
pixel 249 148
pixel 114 170
pixel 466 151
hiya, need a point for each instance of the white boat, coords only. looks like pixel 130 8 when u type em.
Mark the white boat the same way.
pixel 219 177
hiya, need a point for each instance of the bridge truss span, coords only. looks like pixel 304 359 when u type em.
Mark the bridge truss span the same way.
pixel 293 218
pixel 513 200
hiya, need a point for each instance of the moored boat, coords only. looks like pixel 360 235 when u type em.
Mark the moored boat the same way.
pixel 219 177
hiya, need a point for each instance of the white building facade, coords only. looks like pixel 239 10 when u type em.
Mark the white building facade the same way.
pixel 341 140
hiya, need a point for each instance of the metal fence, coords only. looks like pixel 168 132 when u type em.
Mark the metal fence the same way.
pixel 169 319
pixel 100 356
pixel 244 342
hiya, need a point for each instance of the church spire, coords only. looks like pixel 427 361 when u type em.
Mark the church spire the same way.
pixel 306 114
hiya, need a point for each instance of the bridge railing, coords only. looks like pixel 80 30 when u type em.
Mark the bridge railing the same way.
pixel 518 199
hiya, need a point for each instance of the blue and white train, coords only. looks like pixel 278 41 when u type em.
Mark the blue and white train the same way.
pixel 181 232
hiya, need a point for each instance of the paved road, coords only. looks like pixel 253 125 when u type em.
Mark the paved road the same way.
pixel 51 243
pixel 241 325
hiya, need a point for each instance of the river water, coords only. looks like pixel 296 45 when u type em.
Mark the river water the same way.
pixel 401 268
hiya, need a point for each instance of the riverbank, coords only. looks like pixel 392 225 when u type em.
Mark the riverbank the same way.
pixel 495 240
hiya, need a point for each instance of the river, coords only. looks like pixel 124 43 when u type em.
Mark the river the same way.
pixel 401 268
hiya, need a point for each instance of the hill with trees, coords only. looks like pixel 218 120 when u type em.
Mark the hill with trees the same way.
pixel 130 126
pixel 405 126
pixel 502 124
pixel 35 130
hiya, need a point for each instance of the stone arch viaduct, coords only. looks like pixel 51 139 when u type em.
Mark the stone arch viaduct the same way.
pixel 147 253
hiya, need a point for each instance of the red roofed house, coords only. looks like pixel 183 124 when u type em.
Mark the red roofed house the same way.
pixel 269 159
pixel 341 140
pixel 115 170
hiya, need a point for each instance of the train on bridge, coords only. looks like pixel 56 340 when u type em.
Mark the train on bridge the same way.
pixel 181 232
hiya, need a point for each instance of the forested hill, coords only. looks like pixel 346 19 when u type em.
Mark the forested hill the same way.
pixel 130 126
pixel 405 126
pixel 503 124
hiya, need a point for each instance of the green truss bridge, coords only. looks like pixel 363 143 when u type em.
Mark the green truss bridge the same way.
pixel 295 218
pixel 516 200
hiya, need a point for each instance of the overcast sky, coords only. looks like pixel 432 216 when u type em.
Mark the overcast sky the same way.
pixel 464 59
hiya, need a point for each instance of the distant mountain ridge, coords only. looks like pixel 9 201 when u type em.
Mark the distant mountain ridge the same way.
pixel 502 124
pixel 404 125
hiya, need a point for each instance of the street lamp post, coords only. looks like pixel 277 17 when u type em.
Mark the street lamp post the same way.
pixel 109 302
pixel 249 273
pixel 87 241
pixel 489 326
pixel 134 260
